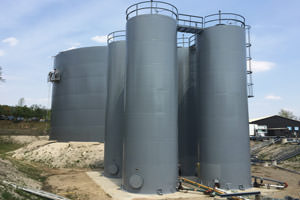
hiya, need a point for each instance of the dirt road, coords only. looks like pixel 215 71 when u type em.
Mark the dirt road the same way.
pixel 74 184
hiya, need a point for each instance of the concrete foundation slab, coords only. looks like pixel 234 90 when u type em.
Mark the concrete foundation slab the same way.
pixel 112 187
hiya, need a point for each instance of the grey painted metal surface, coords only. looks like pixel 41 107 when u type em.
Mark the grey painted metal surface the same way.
pixel 183 71
pixel 115 109
pixel 150 142
pixel 187 119
pixel 79 98
pixel 223 107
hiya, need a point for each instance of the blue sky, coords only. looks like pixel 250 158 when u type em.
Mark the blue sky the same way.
pixel 33 31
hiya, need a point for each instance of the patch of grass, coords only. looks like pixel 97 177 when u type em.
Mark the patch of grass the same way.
pixel 32 171
pixel 17 194
pixel 8 196
pixel 7 147
pixel 295 159
pixel 71 196
pixel 263 156
pixel 24 128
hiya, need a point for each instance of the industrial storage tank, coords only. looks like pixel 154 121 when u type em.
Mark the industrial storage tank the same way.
pixel 187 119
pixel 79 97
pixel 114 128
pixel 150 141
pixel 183 66
pixel 223 105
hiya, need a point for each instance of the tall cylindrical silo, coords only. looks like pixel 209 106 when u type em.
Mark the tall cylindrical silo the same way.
pixel 223 107
pixel 187 120
pixel 79 98
pixel 114 128
pixel 150 142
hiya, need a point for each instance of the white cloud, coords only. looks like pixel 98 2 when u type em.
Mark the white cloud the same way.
pixel 100 38
pixel 12 41
pixel 272 97
pixel 261 66
pixel 1 52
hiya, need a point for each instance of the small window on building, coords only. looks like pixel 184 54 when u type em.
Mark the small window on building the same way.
pixel 290 128
pixel 296 128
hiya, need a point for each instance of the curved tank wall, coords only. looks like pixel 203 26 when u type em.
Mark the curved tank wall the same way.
pixel 115 109
pixel 187 120
pixel 79 98
pixel 183 71
pixel 150 142
pixel 223 107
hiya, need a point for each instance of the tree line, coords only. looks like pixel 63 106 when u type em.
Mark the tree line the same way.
pixel 37 111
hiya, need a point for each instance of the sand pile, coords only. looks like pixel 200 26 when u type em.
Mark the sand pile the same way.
pixel 62 154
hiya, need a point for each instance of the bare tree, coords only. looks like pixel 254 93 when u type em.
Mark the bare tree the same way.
pixel 1 76
pixel 287 114
pixel 21 102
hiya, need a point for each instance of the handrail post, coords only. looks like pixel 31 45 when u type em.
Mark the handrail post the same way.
pixel 151 6
pixel 219 16
pixel 136 9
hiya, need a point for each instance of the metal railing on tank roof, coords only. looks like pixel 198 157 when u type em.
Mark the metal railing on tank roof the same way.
pixel 151 7
pixel 190 20
pixel 182 41
pixel 224 19
pixel 116 36
pixel 192 40
pixel 186 40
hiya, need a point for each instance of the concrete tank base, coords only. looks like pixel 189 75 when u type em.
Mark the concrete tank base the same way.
pixel 112 187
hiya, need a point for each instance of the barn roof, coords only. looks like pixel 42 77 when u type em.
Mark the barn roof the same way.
pixel 257 119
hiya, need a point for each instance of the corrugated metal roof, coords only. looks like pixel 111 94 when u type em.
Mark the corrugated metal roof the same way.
pixel 260 118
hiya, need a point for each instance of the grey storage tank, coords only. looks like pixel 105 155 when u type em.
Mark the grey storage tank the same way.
pixel 79 97
pixel 150 142
pixel 114 128
pixel 222 104
pixel 187 119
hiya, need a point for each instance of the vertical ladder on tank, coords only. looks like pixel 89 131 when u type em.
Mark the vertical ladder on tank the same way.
pixel 249 59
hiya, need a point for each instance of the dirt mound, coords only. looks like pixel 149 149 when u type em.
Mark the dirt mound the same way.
pixel 63 154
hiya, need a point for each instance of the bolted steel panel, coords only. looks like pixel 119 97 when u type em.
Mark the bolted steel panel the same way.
pixel 150 141
pixel 79 98
pixel 114 128
pixel 223 107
